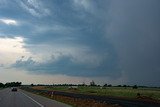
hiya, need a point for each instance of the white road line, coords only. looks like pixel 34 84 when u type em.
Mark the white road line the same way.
pixel 33 100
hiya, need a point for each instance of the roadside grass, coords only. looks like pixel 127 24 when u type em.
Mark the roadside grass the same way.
pixel 151 94
pixel 126 92
pixel 74 102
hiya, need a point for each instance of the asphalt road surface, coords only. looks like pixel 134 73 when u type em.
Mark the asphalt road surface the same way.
pixel 25 99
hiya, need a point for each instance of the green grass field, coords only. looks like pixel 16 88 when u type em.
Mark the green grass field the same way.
pixel 127 92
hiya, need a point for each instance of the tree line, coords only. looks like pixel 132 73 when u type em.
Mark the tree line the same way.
pixel 92 83
pixel 10 84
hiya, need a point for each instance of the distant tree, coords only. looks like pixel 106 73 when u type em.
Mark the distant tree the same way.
pixel 105 85
pixel 1 85
pixel 135 87
pixel 13 84
pixel 110 85
pixel 124 86
pixel 92 83
pixel 17 84
pixel 119 85
pixel 98 85
pixel 32 85
pixel 84 84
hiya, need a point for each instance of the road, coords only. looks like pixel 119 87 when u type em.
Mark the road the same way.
pixel 25 99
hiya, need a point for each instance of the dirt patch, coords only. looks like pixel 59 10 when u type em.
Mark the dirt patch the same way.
pixel 77 102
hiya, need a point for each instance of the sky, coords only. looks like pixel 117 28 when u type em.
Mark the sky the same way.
pixel 76 41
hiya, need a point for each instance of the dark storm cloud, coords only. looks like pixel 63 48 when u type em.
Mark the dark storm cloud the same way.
pixel 122 35
pixel 134 31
